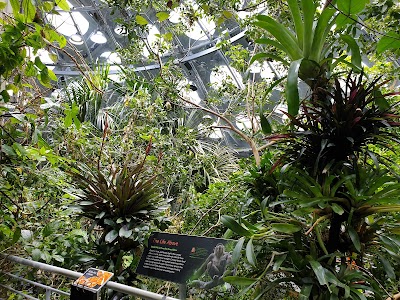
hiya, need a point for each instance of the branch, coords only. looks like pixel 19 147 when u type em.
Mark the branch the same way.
pixel 12 201
pixel 212 208
pixel 77 65
pixel 359 22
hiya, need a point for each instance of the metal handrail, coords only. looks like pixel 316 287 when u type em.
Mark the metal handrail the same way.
pixel 74 275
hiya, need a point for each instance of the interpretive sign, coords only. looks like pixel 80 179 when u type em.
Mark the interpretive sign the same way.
pixel 93 279
pixel 196 261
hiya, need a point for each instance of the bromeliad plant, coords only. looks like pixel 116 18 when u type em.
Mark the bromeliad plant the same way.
pixel 126 204
pixel 304 48
pixel 338 126
pixel 336 232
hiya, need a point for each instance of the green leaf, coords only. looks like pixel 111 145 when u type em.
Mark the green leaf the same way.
pixel 5 95
pixel 36 254
pixel 390 41
pixel 308 8
pixel 235 226
pixel 241 281
pixel 19 149
pixel 285 227
pixel 305 292
pixel 125 232
pixel 111 236
pixel 161 16
pixel 388 267
pixel 298 22
pixel 337 209
pixel 355 50
pixel 15 6
pixel 319 272
pixel 29 10
pixel 141 21
pixel 354 238
pixel 380 100
pixel 58 258
pixel 3 5
pixel 250 255
pixel 47 230
pixel 282 35
pixel 47 6
pixel 227 14
pixel 261 56
pixel 237 252
pixel 16 235
pixel 351 7
pixel 51 75
pixel 265 126
pixel 279 261
pixel 292 92
pixel 343 20
pixel 63 4
pixel 321 31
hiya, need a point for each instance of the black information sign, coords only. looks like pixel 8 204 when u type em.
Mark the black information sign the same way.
pixel 192 260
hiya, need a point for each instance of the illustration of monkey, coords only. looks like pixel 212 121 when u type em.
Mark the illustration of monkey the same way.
pixel 215 266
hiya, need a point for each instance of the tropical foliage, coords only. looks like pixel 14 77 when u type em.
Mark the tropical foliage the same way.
pixel 89 173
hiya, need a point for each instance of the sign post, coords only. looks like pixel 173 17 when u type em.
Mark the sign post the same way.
pixel 187 260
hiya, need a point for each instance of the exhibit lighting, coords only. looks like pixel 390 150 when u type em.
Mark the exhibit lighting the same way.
pixel 98 37
pixel 76 39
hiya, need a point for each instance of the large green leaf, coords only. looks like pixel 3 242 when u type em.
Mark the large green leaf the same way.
pixel 265 126
pixel 285 227
pixel 111 236
pixel 320 33
pixel 391 40
pixel 308 8
pixel 388 267
pixel 237 252
pixel 63 4
pixel 355 50
pixel 241 281
pixel 282 34
pixel 250 255
pixel 235 226
pixel 141 20
pixel 298 22
pixel 351 7
pixel 319 272
pixel 292 92
pixel 29 10
pixel 305 292
pixel 162 16
pixel 354 238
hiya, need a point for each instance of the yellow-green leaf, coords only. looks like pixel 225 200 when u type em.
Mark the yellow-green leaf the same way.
pixel 29 10
pixel 162 16
pixel 141 21
pixel 63 4
pixel 48 6
pixel 227 14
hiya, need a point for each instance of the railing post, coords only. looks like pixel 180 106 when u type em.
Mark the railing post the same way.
pixel 182 291
pixel 48 294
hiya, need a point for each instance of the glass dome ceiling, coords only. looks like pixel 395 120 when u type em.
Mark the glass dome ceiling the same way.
pixel 94 37
pixel 91 29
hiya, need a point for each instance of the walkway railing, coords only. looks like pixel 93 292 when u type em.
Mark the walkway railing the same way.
pixel 128 290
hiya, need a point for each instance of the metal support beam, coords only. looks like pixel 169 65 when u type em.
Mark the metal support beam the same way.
pixel 18 292
pixel 74 275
